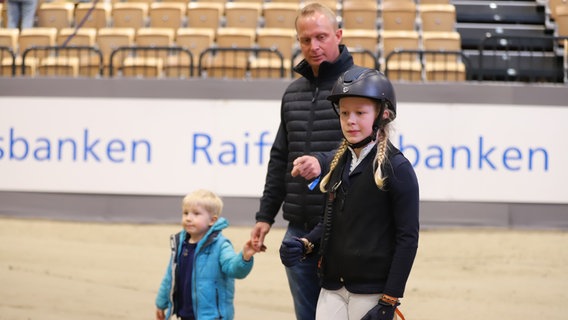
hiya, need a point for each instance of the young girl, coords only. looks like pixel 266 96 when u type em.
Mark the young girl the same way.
pixel 369 234
pixel 199 280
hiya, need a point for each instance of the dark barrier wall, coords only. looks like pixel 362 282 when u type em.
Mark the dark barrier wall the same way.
pixel 240 211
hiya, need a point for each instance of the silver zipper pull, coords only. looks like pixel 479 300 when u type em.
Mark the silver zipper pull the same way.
pixel 336 186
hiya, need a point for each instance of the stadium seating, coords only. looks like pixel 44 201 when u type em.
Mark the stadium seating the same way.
pixel 552 6
pixel 279 15
pixel 196 40
pixel 359 14
pixel 439 63
pixel 130 15
pixel 403 66
pixel 437 17
pixel 87 16
pixel 109 39
pixel 242 14
pixel 205 15
pixel 268 65
pixel 9 38
pixel 231 62
pixel 167 15
pixel 398 15
pixel 55 14
pixel 8 41
pixel 363 45
pixel 562 20
pixel 508 22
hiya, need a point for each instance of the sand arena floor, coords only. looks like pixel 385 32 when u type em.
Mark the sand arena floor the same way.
pixel 67 270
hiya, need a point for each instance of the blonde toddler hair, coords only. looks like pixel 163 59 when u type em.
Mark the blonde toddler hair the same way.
pixel 205 198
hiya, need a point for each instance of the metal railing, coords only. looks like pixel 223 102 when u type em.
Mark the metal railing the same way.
pixel 498 58
pixel 151 62
pixel 253 62
pixel 71 61
pixel 7 62
pixel 427 65
pixel 521 59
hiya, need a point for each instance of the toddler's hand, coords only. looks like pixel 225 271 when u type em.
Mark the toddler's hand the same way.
pixel 249 250
pixel 160 314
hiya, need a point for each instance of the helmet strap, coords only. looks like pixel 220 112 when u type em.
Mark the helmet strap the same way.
pixel 376 126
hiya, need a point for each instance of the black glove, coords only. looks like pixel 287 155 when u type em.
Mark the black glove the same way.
pixel 291 252
pixel 382 311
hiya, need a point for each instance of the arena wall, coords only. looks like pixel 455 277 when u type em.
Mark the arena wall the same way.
pixel 535 112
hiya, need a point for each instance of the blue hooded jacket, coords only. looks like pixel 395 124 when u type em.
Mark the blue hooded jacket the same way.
pixel 215 267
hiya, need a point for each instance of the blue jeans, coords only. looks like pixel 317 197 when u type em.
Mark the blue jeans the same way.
pixel 21 10
pixel 303 280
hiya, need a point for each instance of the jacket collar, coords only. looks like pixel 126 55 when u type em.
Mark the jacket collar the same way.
pixel 219 225
pixel 327 69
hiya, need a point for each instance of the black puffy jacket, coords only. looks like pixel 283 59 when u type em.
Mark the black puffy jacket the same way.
pixel 308 125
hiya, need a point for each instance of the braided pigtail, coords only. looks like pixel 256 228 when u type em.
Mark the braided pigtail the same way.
pixel 340 151
pixel 381 156
pixel 379 160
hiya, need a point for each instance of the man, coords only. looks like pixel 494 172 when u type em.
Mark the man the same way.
pixel 308 125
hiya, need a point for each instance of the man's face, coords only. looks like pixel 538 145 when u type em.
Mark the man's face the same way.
pixel 319 40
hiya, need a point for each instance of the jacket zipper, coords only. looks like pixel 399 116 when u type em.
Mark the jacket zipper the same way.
pixel 217 302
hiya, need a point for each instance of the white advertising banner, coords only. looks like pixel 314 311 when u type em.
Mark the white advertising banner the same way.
pixel 489 153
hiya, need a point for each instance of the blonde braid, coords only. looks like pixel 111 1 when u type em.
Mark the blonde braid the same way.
pixel 381 155
pixel 379 159
pixel 340 151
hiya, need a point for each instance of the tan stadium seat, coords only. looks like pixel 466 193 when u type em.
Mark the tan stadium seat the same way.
pixel 280 15
pixel 205 15
pixel 55 14
pixel 89 63
pixel 59 67
pixel 443 66
pixel 552 6
pixel 130 15
pixel 267 65
pixel 437 17
pixel 398 15
pixel 109 39
pixel 167 14
pixel 242 14
pixel 196 41
pixel 362 39
pixel 9 38
pixel 230 64
pixel 401 67
pixel 359 14
pixel 99 18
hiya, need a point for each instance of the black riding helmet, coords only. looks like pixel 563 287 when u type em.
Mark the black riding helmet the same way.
pixel 365 83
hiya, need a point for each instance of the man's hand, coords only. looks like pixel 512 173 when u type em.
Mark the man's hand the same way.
pixel 257 234
pixel 307 167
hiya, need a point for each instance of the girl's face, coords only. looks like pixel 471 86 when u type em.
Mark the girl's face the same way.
pixel 196 221
pixel 357 116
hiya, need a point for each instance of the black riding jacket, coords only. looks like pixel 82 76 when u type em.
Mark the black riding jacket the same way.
pixel 369 237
